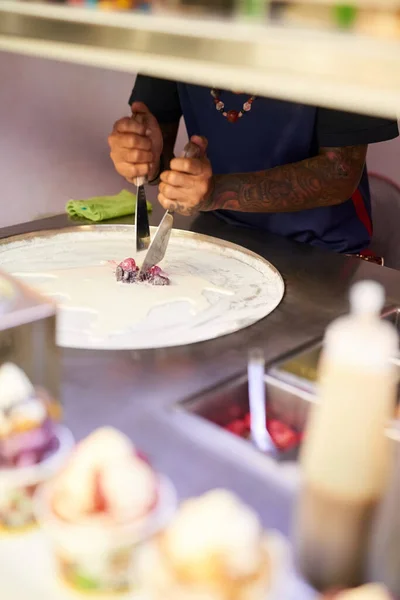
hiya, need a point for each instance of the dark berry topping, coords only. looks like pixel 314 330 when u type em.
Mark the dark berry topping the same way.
pixel 128 272
pixel 159 280
pixel 119 273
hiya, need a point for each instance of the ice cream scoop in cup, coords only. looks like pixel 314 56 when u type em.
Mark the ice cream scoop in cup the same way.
pixel 214 548
pixel 32 445
pixel 100 509
pixel 18 484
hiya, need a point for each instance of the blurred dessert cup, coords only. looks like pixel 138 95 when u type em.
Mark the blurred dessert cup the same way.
pixel 214 549
pixel 100 508
pixel 33 445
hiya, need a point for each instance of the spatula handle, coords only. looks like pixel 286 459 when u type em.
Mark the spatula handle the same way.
pixel 191 150
pixel 138 181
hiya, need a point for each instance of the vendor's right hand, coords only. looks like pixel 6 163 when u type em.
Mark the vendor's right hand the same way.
pixel 136 144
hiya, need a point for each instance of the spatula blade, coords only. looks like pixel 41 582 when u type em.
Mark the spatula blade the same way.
pixel 142 229
pixel 158 246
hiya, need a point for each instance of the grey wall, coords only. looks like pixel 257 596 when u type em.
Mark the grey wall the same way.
pixel 54 122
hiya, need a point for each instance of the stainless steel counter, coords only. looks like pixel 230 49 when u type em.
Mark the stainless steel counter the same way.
pixel 134 391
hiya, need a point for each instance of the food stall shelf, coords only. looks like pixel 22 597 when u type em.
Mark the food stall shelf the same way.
pixel 324 68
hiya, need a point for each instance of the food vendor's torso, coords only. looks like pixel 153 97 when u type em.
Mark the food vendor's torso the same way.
pixel 271 134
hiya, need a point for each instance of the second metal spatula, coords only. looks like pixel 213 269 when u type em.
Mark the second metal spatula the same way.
pixel 142 229
pixel 158 246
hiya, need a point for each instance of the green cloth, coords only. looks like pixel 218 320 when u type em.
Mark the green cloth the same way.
pixel 345 15
pixel 102 208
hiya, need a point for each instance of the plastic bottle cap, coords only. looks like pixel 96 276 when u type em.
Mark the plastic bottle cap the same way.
pixel 367 298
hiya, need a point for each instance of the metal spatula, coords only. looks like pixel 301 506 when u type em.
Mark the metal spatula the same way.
pixel 142 229
pixel 258 416
pixel 158 246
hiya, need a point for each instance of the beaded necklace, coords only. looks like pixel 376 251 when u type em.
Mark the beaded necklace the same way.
pixel 231 115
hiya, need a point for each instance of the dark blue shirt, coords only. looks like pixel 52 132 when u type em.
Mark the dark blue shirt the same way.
pixel 272 134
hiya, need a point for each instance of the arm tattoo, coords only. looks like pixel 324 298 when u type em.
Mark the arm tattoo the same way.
pixel 324 180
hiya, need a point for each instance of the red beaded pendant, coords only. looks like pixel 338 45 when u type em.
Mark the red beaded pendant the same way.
pixel 232 116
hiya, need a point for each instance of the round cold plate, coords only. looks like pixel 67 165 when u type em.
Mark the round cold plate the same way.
pixel 216 287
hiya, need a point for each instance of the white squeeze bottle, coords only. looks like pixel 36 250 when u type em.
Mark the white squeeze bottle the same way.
pixel 384 551
pixel 346 455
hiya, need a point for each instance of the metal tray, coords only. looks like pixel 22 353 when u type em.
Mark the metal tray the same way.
pixel 290 393
pixel 300 370
pixel 230 401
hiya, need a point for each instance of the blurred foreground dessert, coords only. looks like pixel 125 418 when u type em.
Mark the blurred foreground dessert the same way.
pixel 215 548
pixel 32 445
pixel 373 591
pixel 105 501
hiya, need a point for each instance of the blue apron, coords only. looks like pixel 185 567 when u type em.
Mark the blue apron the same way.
pixel 275 133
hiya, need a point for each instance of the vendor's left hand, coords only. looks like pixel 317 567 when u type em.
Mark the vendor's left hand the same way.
pixel 187 187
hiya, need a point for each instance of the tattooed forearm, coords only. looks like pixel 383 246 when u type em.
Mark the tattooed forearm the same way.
pixel 324 180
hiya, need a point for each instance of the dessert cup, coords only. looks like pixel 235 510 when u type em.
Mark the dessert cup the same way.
pixel 94 555
pixel 157 580
pixel 19 484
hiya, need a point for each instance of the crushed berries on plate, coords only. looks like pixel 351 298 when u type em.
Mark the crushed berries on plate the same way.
pixel 128 272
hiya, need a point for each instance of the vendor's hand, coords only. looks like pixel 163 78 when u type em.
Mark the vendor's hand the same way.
pixel 136 144
pixel 187 187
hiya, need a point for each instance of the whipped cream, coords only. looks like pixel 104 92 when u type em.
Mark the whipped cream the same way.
pixel 104 478
pixel 15 386
pixel 216 525
pixel 373 591
pixel 18 405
